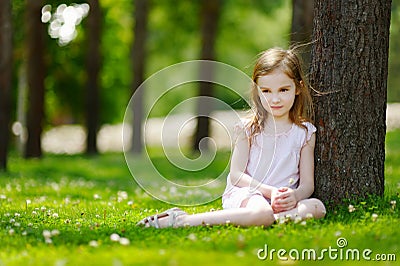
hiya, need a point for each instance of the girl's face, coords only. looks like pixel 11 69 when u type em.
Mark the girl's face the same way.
pixel 278 92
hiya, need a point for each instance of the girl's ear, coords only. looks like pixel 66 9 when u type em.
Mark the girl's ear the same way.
pixel 298 91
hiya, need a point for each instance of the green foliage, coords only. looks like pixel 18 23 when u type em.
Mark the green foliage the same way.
pixel 394 58
pixel 64 210
pixel 245 29
pixel 174 36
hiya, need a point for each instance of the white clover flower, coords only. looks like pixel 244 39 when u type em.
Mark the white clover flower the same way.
pixel 55 215
pixel 48 241
pixel 351 208
pixel 393 203
pixel 338 233
pixel 3 197
pixel 93 243
pixel 96 196
pixel 192 237
pixel 28 201
pixel 11 232
pixel 46 234
pixel 130 203
pixel 17 214
pixel 309 216
pixel 115 237
pixel 282 220
pixel 43 208
pixel 17 224
pixel 374 217
pixel 124 241
pixel 12 220
pixel 34 213
pixel 55 232
pixel 297 219
pixel 173 190
pixel 24 233
pixel 122 195
pixel 304 223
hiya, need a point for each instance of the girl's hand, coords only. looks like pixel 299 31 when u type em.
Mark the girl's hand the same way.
pixel 283 199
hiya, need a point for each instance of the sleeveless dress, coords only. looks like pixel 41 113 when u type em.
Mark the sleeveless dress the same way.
pixel 273 160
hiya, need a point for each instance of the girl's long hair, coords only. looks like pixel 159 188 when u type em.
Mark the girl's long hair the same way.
pixel 289 62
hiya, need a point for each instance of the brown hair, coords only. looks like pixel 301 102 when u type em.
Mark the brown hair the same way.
pixel 289 62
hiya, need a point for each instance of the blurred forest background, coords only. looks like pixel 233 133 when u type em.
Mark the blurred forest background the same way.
pixel 244 28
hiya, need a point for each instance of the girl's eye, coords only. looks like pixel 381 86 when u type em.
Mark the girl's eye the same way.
pixel 284 90
pixel 265 91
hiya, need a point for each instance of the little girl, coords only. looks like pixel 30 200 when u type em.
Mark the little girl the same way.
pixel 272 165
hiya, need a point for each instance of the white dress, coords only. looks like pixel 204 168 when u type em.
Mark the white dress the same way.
pixel 273 160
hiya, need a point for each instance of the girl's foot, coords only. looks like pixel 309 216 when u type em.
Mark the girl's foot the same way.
pixel 163 220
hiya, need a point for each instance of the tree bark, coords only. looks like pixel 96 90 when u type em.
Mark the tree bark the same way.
pixel 302 26
pixel 210 13
pixel 5 79
pixel 350 66
pixel 139 63
pixel 35 74
pixel 93 70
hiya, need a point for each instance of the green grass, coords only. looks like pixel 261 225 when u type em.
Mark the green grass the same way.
pixel 84 200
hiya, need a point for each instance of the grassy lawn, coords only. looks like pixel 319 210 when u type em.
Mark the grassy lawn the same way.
pixel 76 210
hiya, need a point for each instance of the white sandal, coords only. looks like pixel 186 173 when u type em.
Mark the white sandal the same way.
pixel 172 213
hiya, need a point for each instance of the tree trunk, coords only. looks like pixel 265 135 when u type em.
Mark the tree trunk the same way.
pixel 210 13
pixel 302 26
pixel 93 69
pixel 35 74
pixel 138 63
pixel 5 79
pixel 350 65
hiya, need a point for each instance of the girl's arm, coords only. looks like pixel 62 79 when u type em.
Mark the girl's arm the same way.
pixel 306 186
pixel 240 157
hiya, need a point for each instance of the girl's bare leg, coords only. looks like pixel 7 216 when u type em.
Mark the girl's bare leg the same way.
pixel 303 209
pixel 256 211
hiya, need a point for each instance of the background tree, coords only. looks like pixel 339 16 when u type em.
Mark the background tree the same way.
pixel 139 63
pixel 5 78
pixel 93 81
pixel 209 16
pixel 35 31
pixel 350 64
pixel 394 62
pixel 302 26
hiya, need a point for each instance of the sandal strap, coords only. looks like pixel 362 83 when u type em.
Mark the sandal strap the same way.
pixel 155 222
pixel 173 214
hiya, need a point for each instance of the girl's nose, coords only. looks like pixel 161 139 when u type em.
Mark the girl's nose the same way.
pixel 275 100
